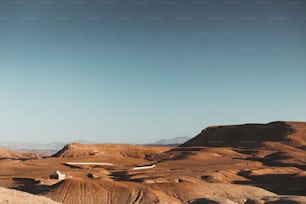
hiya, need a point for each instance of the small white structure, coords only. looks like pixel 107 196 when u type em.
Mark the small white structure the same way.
pixel 144 167
pixel 58 175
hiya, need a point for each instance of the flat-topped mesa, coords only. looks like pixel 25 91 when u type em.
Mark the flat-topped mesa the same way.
pixel 251 135
pixel 76 149
pixel 110 150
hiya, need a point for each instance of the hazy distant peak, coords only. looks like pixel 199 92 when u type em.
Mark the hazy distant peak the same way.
pixel 172 141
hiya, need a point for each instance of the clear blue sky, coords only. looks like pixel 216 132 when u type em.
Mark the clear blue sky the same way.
pixel 138 71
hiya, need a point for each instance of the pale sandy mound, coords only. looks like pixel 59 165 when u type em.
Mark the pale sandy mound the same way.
pixel 251 135
pixel 15 197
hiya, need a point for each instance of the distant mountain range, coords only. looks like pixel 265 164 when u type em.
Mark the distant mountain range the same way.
pixel 55 146
pixel 171 142
pixel 36 147
pixel 32 147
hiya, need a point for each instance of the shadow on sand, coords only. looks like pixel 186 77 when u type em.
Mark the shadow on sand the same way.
pixel 20 159
pixel 203 201
pixel 30 185
pixel 124 176
pixel 282 184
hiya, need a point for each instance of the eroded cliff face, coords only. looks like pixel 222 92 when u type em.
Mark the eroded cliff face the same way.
pixel 251 135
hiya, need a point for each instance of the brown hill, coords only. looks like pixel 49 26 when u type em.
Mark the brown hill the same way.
pixel 110 150
pixel 251 135
pixel 6 154
pixel 72 191
pixel 100 191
